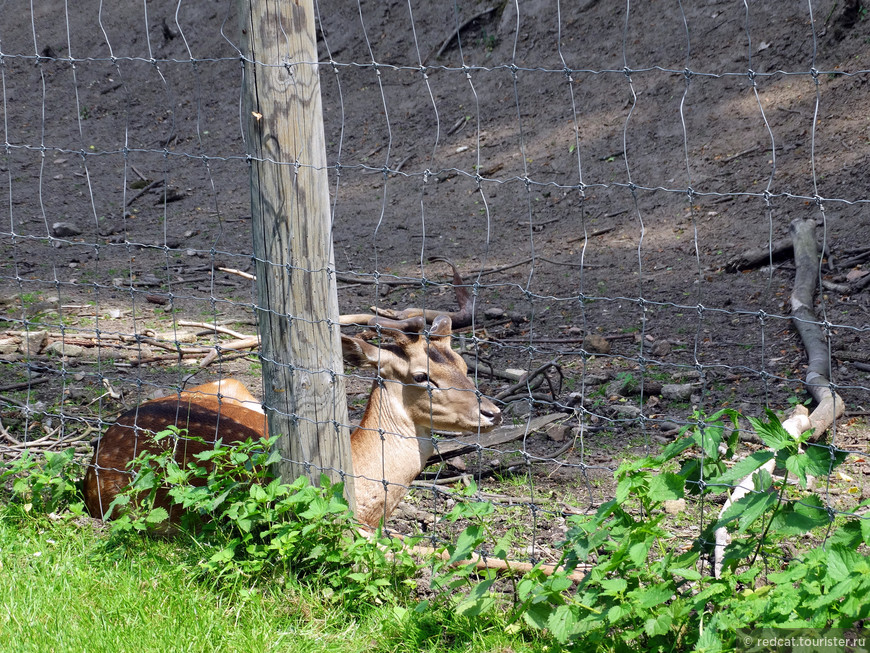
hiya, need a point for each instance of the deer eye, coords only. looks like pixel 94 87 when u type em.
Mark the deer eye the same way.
pixel 421 378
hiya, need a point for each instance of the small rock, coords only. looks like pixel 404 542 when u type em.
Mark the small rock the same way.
pixel 493 313
pixel 518 409
pixel 660 349
pixel 677 391
pixel 59 348
pixel 458 463
pixel 596 344
pixel 517 318
pixel 622 386
pixel 675 507
pixel 32 342
pixel 64 229
pixel 8 345
pixel 557 432
pixel 626 412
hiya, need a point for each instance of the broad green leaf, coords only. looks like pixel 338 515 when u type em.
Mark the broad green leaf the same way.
pixel 850 534
pixel 537 614
pixel 562 623
pixel 467 541
pixel 756 506
pixel 475 608
pixel 842 562
pixel 257 492
pixel 799 517
pixel 772 433
pixel 747 510
pixel 639 550
pixel 659 625
pixel 157 515
pixel 743 468
pixel 559 582
pixel 617 612
pixel 708 439
pixel 652 596
pixel 837 592
pixel 675 448
pixel 666 487
pixel 822 459
pixel 614 586
pixel 478 600
pixel 688 574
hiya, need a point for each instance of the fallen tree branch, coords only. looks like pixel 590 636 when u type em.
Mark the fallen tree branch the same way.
pixel 453 447
pixel 829 404
pixel 509 566
pixel 213 327
pixel 456 32
pixel 753 258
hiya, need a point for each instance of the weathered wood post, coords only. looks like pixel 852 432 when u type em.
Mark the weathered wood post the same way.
pixel 297 300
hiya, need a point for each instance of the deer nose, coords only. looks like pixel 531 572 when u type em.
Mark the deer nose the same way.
pixel 492 414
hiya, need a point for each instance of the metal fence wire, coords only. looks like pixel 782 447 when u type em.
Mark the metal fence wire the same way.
pixel 614 183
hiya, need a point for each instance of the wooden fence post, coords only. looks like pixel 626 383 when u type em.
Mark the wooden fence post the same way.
pixel 303 386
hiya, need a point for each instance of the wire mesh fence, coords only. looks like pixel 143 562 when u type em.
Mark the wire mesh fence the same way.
pixel 615 185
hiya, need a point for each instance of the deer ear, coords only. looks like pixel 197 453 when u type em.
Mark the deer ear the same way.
pixel 358 352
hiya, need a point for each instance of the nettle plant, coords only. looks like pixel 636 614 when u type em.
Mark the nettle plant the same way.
pixel 647 588
pixel 252 525
pixel 44 484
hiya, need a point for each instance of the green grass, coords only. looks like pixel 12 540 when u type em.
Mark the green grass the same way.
pixel 64 587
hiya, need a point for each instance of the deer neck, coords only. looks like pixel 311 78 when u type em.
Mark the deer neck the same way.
pixel 387 445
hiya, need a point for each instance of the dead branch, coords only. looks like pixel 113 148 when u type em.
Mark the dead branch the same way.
pixel 509 566
pixel 594 234
pixel 753 258
pixel 213 327
pixel 24 384
pixel 148 188
pixel 500 468
pixel 455 33
pixel 527 380
pixel 239 273
pixel 830 405
pixel 447 449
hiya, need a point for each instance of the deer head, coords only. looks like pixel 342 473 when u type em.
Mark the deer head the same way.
pixel 422 386
pixel 421 372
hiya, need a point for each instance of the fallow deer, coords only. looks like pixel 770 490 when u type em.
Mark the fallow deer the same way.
pixel 422 386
